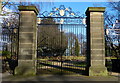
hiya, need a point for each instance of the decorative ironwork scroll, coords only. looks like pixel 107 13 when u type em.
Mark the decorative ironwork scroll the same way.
pixel 63 15
pixel 61 12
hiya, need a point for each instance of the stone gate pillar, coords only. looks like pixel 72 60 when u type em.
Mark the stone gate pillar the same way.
pixel 27 41
pixel 95 41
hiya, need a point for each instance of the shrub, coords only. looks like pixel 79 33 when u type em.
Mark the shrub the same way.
pixel 6 54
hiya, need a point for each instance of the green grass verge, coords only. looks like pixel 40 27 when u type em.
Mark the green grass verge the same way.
pixel 83 64
pixel 0 52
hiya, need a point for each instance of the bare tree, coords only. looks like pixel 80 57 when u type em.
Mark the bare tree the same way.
pixel 51 39
pixel 13 5
pixel 112 24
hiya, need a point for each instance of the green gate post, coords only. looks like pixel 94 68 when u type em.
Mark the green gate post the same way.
pixel 95 42
pixel 27 41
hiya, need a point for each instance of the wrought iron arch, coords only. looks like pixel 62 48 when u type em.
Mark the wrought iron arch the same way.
pixel 63 15
pixel 62 11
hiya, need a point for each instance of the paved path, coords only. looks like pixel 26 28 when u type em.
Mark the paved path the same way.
pixel 8 77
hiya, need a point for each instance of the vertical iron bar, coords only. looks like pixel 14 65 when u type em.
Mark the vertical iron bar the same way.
pixel 61 48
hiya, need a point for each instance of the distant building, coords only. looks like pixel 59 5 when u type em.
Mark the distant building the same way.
pixel 114 32
pixel 4 36
pixel 117 30
pixel 117 24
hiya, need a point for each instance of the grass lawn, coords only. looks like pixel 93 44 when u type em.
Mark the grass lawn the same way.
pixel 74 62
pixel 0 51
pixel 46 62
pixel 83 64
pixel 47 67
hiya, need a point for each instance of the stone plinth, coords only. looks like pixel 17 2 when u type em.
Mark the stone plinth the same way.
pixel 27 41
pixel 95 41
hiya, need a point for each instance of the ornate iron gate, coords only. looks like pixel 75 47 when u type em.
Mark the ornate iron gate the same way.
pixel 61 42
pixel 9 40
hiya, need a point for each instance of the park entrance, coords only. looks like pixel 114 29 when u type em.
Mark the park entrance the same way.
pixel 61 42
pixel 58 44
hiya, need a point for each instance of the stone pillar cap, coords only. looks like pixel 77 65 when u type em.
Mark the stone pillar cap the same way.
pixel 28 8
pixel 95 9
